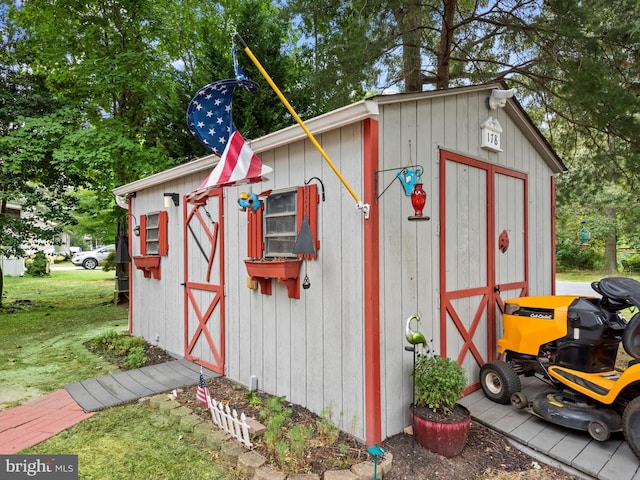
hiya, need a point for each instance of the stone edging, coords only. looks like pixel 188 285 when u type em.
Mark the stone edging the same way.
pixel 249 464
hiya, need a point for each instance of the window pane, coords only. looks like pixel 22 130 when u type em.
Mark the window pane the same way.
pixel 284 202
pixel 277 225
pixel 280 221
pixel 279 246
pixel 152 220
pixel 152 248
pixel 152 234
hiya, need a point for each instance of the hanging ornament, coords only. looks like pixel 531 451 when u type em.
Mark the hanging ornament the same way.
pixel 418 201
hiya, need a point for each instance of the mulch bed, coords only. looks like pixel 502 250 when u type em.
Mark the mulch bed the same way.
pixel 485 451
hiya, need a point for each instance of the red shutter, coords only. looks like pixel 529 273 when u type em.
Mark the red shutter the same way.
pixel 143 234
pixel 308 200
pixel 255 245
pixel 163 232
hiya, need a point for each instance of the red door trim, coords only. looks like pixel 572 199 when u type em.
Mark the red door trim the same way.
pixel 489 295
pixel 216 237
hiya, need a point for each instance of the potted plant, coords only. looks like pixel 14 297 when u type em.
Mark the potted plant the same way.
pixel 440 424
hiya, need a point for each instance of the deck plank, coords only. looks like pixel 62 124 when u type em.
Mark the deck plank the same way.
pixel 121 387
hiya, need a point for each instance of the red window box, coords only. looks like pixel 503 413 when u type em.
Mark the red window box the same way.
pixel 285 271
pixel 149 264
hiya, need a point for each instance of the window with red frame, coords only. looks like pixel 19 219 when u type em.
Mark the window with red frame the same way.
pixel 273 228
pixel 153 233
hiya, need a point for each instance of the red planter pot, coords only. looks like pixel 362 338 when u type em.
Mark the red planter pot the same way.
pixel 446 439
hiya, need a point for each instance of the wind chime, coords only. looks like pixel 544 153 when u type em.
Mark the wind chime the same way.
pixel 304 244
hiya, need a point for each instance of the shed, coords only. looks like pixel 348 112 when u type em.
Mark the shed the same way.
pixel 327 329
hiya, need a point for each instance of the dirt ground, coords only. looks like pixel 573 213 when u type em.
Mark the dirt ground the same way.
pixel 487 455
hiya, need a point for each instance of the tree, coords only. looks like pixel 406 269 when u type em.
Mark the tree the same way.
pixel 30 119
pixel 590 108
pixel 435 43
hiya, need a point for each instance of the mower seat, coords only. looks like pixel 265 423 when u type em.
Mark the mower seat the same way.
pixel 619 290
pixel 631 337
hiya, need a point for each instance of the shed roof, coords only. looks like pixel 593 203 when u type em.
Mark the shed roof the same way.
pixel 350 114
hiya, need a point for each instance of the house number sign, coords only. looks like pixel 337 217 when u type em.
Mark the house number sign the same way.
pixel 490 135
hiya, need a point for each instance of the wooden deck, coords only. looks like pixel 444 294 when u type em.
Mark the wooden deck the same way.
pixel 610 460
pixel 122 387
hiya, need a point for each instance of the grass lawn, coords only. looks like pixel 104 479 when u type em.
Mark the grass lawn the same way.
pixel 588 276
pixel 134 443
pixel 43 325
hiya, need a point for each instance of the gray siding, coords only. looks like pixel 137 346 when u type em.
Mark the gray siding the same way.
pixel 309 350
pixel 161 317
pixel 413 132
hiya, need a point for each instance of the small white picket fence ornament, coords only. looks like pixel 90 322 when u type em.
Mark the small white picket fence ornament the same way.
pixel 228 420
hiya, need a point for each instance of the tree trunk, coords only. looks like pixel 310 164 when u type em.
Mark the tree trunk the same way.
pixel 443 72
pixel 409 19
pixel 610 257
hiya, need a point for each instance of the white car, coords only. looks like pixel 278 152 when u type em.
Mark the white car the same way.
pixel 90 260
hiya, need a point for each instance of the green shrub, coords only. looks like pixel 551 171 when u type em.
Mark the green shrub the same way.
pixel 39 266
pixel 570 256
pixel 136 357
pixel 439 383
pixel 121 345
pixel 109 263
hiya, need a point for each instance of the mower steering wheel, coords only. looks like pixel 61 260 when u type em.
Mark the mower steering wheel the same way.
pixel 631 336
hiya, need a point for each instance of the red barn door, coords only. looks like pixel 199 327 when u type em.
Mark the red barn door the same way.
pixel 204 283
pixel 483 255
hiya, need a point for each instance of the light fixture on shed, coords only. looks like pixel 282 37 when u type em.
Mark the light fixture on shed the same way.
pixel 171 198
pixel 136 228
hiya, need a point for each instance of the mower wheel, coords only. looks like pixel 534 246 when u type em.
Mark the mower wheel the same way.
pixel 599 431
pixel 631 425
pixel 519 400
pixel 499 381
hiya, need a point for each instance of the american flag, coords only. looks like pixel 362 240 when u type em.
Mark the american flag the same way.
pixel 237 165
pixel 209 114
pixel 202 394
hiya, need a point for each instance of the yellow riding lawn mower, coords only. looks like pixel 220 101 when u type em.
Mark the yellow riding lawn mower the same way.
pixel 572 344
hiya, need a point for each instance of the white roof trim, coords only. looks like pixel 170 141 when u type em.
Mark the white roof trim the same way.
pixel 341 117
pixel 194 166
pixel 356 112
pixel 348 115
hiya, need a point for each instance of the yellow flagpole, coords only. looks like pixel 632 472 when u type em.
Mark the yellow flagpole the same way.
pixel 293 113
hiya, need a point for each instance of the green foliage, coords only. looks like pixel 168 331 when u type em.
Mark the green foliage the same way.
pixel 254 400
pixel 570 256
pixel 298 435
pixel 277 419
pixel 631 264
pixel 327 431
pixel 109 264
pixel 119 344
pixel 136 357
pixel 38 266
pixel 439 382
